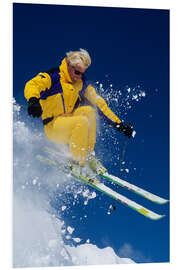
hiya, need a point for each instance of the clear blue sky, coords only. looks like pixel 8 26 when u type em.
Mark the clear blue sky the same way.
pixel 131 46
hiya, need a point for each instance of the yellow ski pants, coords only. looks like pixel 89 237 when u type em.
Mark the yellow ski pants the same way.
pixel 77 129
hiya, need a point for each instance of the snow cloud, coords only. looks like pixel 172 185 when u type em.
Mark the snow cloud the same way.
pixel 38 233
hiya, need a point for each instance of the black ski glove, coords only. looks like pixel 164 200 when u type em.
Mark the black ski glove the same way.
pixel 126 129
pixel 34 107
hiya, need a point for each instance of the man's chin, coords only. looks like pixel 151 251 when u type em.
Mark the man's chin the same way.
pixel 76 79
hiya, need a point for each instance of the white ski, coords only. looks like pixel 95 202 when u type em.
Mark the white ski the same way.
pixel 142 192
pixel 102 188
pixel 148 195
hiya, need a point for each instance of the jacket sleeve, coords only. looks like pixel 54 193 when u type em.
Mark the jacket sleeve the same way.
pixel 98 101
pixel 39 83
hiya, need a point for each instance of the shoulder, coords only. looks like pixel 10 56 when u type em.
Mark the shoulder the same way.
pixel 52 70
pixel 54 74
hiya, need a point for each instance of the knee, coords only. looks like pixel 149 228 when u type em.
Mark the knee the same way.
pixel 83 121
pixel 90 110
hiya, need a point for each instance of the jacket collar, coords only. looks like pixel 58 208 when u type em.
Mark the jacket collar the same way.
pixel 64 71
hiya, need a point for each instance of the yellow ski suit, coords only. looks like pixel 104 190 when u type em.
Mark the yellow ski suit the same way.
pixel 65 121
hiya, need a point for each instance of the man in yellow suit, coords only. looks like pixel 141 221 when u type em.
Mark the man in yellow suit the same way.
pixel 60 96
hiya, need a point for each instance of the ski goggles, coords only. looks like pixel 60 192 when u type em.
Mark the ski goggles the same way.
pixel 77 72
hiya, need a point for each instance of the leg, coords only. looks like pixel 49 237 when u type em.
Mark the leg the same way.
pixel 72 130
pixel 90 113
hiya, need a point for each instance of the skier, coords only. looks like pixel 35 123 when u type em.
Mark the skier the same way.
pixel 66 100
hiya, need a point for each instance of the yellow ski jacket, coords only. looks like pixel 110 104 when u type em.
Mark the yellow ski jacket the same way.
pixel 58 95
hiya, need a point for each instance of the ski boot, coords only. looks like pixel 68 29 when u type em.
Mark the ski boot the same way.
pixel 73 167
pixel 84 172
pixel 95 164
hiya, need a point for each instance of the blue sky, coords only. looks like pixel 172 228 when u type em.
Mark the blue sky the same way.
pixel 129 48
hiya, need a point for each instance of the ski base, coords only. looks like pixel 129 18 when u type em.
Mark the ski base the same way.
pixel 102 188
pixel 142 192
pixel 146 194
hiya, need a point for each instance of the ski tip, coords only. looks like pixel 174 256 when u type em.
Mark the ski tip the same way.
pixel 158 217
pixel 162 216
pixel 161 201
pixel 150 214
pixel 164 201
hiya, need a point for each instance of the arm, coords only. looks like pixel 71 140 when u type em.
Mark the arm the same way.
pixel 32 92
pixel 98 101
pixel 34 87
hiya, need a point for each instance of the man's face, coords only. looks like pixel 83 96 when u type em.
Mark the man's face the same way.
pixel 75 73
